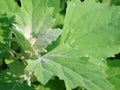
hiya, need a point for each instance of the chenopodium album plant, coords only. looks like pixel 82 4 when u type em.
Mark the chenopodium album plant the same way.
pixel 91 34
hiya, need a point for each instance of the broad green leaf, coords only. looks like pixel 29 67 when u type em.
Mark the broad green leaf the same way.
pixel 36 22
pixel 90 34
pixel 66 63
pixel 93 28
pixel 114 73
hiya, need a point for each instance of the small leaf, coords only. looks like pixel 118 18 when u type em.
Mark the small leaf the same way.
pixel 16 67
pixel 55 4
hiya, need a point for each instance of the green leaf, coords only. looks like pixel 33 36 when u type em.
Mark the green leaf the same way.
pixel 7 76
pixel 66 63
pixel 93 28
pixel 47 38
pixel 7 11
pixel 10 79
pixel 9 7
pixel 22 42
pixel 16 67
pixel 14 71
pixel 106 1
pixel 59 7
pixel 14 86
pixel 37 22
pixel 55 4
pixel 114 73
pixel 116 2
pixel 91 34
pixel 4 36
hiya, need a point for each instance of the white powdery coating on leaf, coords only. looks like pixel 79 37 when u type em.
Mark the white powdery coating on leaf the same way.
pixel 28 35
pixel 27 32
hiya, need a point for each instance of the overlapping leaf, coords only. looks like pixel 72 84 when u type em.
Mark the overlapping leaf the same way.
pixel 58 6
pixel 94 30
pixel 114 73
pixel 66 63
pixel 7 10
pixel 8 7
pixel 4 36
pixel 34 21
pixel 13 73
pixel 91 33
pixel 55 4
pixel 10 78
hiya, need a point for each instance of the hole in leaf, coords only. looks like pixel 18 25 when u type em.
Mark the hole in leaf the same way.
pixel 13 35
pixel 18 2
pixel 82 0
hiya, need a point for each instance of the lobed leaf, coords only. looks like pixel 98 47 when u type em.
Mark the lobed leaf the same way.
pixel 93 28
pixel 36 22
pixel 66 63
pixel 91 34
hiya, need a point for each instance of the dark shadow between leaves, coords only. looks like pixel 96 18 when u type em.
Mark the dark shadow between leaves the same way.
pixel 53 84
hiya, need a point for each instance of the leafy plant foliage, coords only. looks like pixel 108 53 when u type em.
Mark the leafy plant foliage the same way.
pixel 82 57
